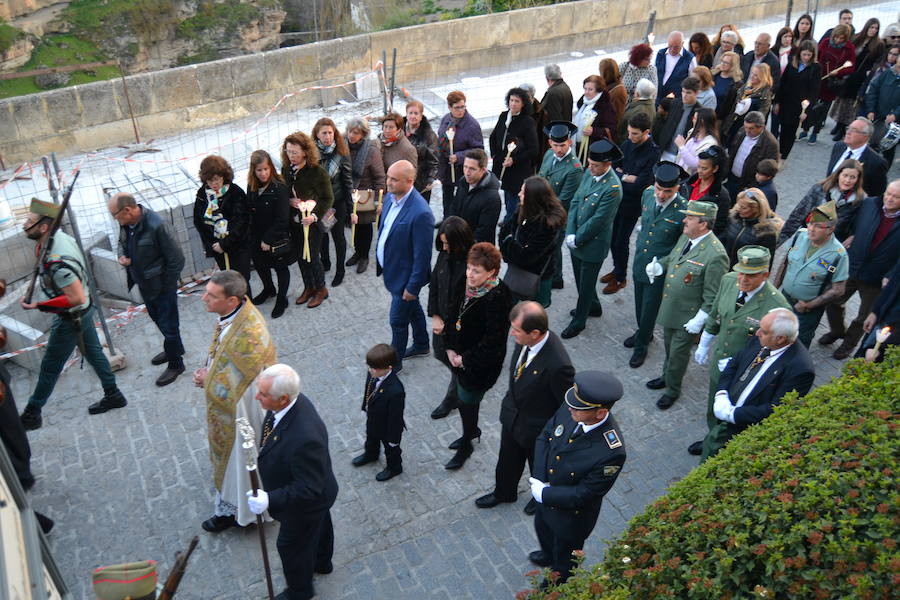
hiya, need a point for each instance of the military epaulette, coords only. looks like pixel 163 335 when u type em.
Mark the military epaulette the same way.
pixel 614 186
pixel 577 165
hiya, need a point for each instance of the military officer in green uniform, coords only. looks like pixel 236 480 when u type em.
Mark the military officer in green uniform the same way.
pixel 589 229
pixel 745 297
pixel 563 171
pixel 815 270
pixel 62 289
pixel 693 273
pixel 661 226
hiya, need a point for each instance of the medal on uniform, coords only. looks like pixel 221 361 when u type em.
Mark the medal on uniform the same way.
pixel 689 277
pixel 558 431
pixel 612 439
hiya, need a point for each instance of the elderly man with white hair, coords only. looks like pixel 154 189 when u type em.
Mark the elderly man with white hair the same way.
pixel 300 488
pixel 756 379
pixel 760 54
pixel 673 64
pixel 728 42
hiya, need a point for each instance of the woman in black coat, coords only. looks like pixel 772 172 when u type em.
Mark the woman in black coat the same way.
pixel 334 157
pixel 514 125
pixel 447 287
pixel 476 340
pixel 706 185
pixel 529 240
pixel 222 218
pixel 800 81
pixel 420 134
pixel 751 222
pixel 270 213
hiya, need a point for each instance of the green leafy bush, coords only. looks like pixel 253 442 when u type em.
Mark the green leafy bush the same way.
pixel 805 505
pixel 8 35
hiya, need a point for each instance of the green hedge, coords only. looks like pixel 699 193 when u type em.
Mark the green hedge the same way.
pixel 805 505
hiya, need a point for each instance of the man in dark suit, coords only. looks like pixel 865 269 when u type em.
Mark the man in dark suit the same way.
pixel 761 53
pixel 673 64
pixel 557 100
pixel 295 469
pixel 404 258
pixel 540 373
pixel 577 458
pixel 757 378
pixel 856 145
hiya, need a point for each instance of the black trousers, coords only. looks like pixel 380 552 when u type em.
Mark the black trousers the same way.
pixel 305 543
pixel 790 120
pixel 12 433
pixel 392 454
pixel 340 246
pixel 621 235
pixel 237 261
pixel 449 190
pixel 362 244
pixel 510 464
pixel 312 271
pixel 284 279
pixel 559 548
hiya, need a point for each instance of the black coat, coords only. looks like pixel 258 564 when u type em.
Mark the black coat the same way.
pixel 716 193
pixel 725 104
pixel 270 214
pixel 867 264
pixel 448 284
pixel 522 131
pixel 425 141
pixel 793 370
pixel 875 168
pixel 638 161
pixel 797 86
pixel 233 206
pixel 557 102
pixel 384 410
pixel 12 433
pixel 295 466
pixel 481 337
pixel 341 183
pixel 747 232
pixel 887 306
pixel 156 258
pixel 580 472
pixel 479 206
pixel 537 394
pixel 529 246
pixel 667 133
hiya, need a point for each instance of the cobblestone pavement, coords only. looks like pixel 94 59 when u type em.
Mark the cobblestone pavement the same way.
pixel 135 483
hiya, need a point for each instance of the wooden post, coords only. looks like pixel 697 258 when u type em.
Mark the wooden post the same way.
pixel 137 136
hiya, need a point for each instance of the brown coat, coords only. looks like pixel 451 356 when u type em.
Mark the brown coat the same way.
pixel 618 97
pixel 402 149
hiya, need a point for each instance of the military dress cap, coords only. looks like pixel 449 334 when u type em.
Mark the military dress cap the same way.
pixel 604 151
pixel 44 208
pixel 701 208
pixel 594 389
pixel 135 580
pixel 668 174
pixel 752 260
pixel 824 213
pixel 560 131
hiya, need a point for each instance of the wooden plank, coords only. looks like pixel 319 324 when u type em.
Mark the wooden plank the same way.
pixel 65 69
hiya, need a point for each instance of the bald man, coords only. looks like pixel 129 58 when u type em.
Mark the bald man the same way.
pixel 673 64
pixel 404 258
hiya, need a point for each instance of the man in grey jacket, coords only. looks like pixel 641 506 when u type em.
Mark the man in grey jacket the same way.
pixel 153 261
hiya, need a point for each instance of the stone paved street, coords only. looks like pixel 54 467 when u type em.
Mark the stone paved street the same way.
pixel 135 483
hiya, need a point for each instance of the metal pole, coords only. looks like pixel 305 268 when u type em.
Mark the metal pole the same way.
pixel 651 23
pixel 393 73
pixel 384 100
pixel 137 136
pixel 787 16
pixel 95 296
pixel 815 18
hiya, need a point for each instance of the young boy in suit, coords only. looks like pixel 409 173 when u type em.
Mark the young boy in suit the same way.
pixel 383 401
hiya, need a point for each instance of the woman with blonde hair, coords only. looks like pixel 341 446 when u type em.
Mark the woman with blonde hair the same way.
pixel 728 80
pixel 707 96
pixel 751 222
pixel 756 96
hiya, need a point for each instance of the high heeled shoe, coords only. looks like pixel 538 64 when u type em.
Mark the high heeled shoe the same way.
pixel 461 456
pixel 455 444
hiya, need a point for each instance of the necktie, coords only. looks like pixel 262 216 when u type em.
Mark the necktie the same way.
pixel 215 341
pixel 268 426
pixel 656 210
pixel 849 155
pixel 686 249
pixel 579 429
pixel 522 362
pixel 742 299
pixel 747 376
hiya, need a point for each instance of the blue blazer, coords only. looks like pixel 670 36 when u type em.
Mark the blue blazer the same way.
pixel 407 252
pixel 866 266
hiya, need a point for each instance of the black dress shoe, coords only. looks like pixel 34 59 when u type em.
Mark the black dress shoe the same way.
pixel 490 501
pixel 280 306
pixel 111 399
pixel 362 265
pixel 413 352
pixel 324 569
pixel 443 409
pixel 557 285
pixel 540 558
pixel 169 375
pixel 570 332
pixel 31 418
pixel 363 459
pixel 326 265
pixel 656 384
pixel 696 448
pixel 160 359
pixel 338 278
pixel 629 341
pixel 216 524
pixel 352 260
pixel 594 312
pixel 44 522
pixel 262 297
pixel 531 507
pixel 637 360
pixel 665 402
pixel 461 456
pixel 388 473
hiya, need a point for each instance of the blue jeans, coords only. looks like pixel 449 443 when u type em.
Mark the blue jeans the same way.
pixel 164 311
pixel 511 201
pixel 403 315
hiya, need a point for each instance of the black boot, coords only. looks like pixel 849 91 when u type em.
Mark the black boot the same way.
pixel 112 398
pixel 263 296
pixel 450 401
pixel 281 303
pixel 338 276
pixel 469 415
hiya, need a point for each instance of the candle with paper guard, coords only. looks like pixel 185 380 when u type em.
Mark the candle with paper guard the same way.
pixel 306 210
pixel 509 150
pixel 378 210
pixel 589 117
pixel 451 133
pixel 355 195
pixel 880 337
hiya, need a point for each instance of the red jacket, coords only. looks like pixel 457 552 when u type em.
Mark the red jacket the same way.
pixel 831 58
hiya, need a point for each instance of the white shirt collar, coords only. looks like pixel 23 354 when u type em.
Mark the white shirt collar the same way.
pixel 559 158
pixel 589 428
pixel 752 293
pixel 533 350
pixel 282 412
pixel 697 240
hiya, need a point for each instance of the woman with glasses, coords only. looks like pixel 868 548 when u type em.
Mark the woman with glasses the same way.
pixel 751 222
pixel 799 83
pixel 736 42
pixel 466 136
pixel 728 81
pixel 706 184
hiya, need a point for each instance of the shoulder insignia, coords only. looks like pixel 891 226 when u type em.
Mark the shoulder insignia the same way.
pixel 576 164
pixel 614 186
pixel 610 470
pixel 612 439
pixel 558 431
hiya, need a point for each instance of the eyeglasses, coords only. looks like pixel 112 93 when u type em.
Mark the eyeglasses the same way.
pixel 855 130
pixel 458 107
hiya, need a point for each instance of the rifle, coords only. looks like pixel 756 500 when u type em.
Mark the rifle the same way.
pixel 177 573
pixel 54 227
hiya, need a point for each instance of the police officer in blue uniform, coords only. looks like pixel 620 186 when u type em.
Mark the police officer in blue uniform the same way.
pixel 577 458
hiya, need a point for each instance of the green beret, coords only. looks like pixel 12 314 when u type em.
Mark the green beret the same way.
pixel 135 580
pixel 43 208
pixel 752 260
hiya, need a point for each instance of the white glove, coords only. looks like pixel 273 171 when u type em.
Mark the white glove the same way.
pixel 695 325
pixel 701 354
pixel 259 503
pixel 653 269
pixel 742 107
pixel 537 488
pixel 570 240
pixel 722 408
pixel 724 363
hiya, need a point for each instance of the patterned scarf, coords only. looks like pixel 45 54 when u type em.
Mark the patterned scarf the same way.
pixel 330 157
pixel 477 292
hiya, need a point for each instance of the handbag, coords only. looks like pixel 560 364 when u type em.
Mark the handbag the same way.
pixel 522 283
pixel 327 221
pixel 367 205
pixel 281 248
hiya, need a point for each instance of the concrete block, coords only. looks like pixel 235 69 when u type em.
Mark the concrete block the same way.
pixel 30 117
pixel 63 109
pixel 98 104
pixel 215 80
pixel 177 88
pixel 249 75
pixel 305 68
pixel 278 66
pixel 21 335
pixel 109 275
pixel 140 92
pixel 349 55
pixel 8 133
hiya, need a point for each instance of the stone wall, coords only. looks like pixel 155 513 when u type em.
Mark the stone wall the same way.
pixel 95 115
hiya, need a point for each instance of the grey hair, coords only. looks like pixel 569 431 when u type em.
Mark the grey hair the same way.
pixel 755 117
pixel 870 127
pixel 710 221
pixel 124 200
pixel 232 282
pixel 785 323
pixel 645 88
pixel 528 88
pixel 730 35
pixel 765 37
pixel 676 32
pixel 553 72
pixel 285 381
pixel 358 123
